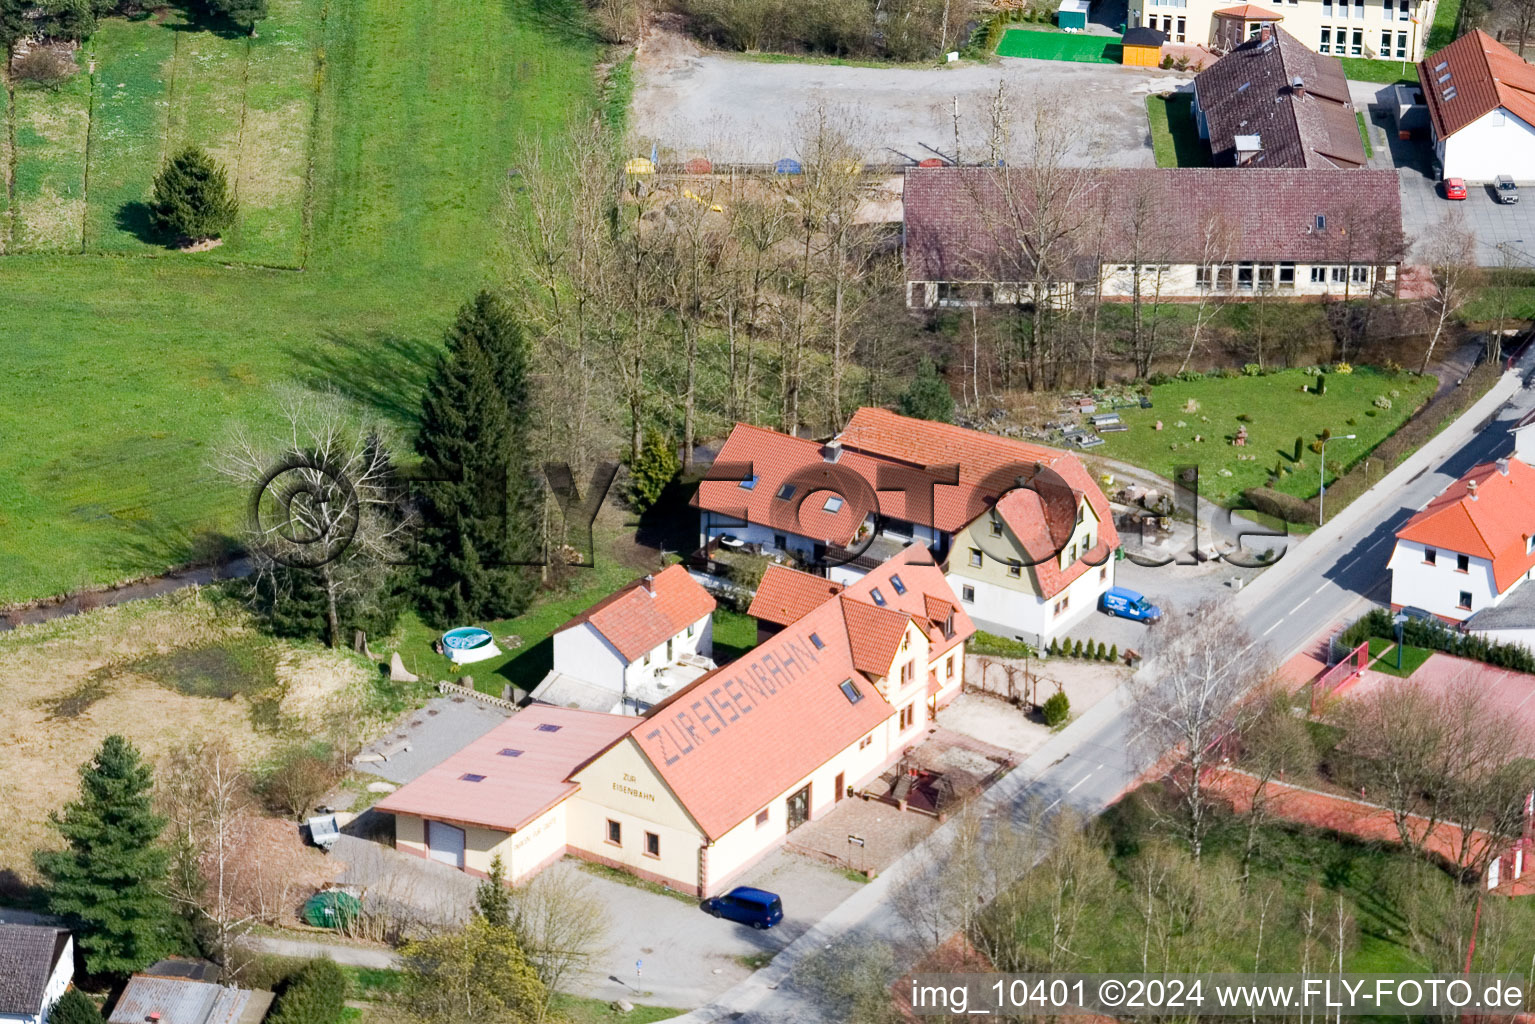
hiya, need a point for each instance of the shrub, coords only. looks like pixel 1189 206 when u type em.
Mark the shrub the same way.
pixel 1321 384
pixel 1076 650
pixel 1252 370
pixel 1382 402
pixel 1316 447
pixel 999 646
pixel 650 473
pixel 1056 709
pixel 1226 373
pixel 1055 649
pixel 316 994
pixel 928 397
pixel 1343 368
pixel 1189 375
pixel 1113 652
pixel 1103 652
pixel 1298 443
pixel 192 198
pixel 75 1007
pixel 296 777
pixel 44 66
pixel 1278 504
pixel 1244 417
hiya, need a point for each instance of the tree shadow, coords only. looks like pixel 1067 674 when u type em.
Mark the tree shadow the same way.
pixel 557 16
pixel 133 218
pixel 377 369
pixel 200 19
pixel 671 524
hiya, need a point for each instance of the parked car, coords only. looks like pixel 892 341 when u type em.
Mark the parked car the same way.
pixel 1508 192
pixel 745 905
pixel 1129 604
pixel 1455 188
pixel 1419 614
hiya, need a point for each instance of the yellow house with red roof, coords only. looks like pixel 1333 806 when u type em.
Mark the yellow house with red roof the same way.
pixel 719 773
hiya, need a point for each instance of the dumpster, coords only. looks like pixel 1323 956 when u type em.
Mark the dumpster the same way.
pixel 331 908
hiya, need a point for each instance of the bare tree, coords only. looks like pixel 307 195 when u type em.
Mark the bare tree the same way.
pixel 560 924
pixel 1274 742
pixel 1217 239
pixel 1186 698
pixel 1449 252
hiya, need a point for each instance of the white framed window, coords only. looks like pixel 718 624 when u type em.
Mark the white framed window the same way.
pixel 1359 275
pixel 1338 274
pixel 967 593
pixel 1385 40
pixel 1325 46
pixel 1403 11
pixel 1318 275
pixel 1356 45
pixel 1401 45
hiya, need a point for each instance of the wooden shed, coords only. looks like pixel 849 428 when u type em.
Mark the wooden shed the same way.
pixel 1143 47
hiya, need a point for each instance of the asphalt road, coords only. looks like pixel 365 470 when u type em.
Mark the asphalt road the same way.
pixel 1319 582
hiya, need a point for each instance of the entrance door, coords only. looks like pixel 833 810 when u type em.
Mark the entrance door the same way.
pixel 841 785
pixel 445 843
pixel 798 806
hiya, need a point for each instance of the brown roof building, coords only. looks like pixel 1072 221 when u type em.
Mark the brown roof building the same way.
pixel 1271 102
pixel 1481 106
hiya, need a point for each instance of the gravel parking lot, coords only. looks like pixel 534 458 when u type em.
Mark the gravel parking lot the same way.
pixel 736 109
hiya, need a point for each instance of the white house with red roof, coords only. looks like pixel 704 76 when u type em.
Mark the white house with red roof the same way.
pixel 1481 107
pixel 1024 533
pixel 718 774
pixel 633 648
pixel 1471 547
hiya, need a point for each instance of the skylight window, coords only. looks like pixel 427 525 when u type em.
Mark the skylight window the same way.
pixel 547 727
pixel 1442 65
pixel 749 483
pixel 833 504
pixel 1449 93
pixel 879 598
pixel 851 692
pixel 509 752
pixel 1244 87
pixel 471 777
pixel 1321 222
pixel 815 639
pixel 895 581
pixel 1444 78
pixel 786 492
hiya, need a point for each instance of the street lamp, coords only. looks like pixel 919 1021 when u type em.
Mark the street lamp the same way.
pixel 1321 498
pixel 1399 620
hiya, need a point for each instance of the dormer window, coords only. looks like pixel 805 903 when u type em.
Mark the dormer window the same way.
pixel 948 624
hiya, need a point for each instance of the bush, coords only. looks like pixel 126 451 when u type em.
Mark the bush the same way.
pixel 1343 368
pixel 999 646
pixel 1103 652
pixel 192 199
pixel 1056 709
pixel 1382 402
pixel 1279 505
pixel 316 994
pixel 296 777
pixel 1243 417
pixel 1321 384
pixel 1055 649
pixel 1252 370
pixel 1114 652
pixel 1076 650
pixel 928 397
pixel 1298 443
pixel 1434 635
pixel 1189 376
pixel 44 66
pixel 75 1007
pixel 656 467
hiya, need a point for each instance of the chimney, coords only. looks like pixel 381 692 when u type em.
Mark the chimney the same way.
pixel 1471 489
pixel 1265 34
pixel 1503 467
pixel 1298 87
pixel 831 451
pixel 649 583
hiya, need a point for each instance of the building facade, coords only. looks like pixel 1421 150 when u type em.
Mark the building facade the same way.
pixel 1481 108
pixel 1378 29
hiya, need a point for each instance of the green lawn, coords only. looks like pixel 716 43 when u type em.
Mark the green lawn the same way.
pixel 1175 133
pixel 1384 654
pixel 1044 44
pixel 1364 136
pixel 1446 21
pixel 123 374
pixel 1279 411
pixel 1364 69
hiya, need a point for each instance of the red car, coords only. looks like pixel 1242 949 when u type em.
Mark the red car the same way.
pixel 1454 188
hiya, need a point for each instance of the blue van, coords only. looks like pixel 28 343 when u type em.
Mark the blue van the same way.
pixel 745 905
pixel 1128 604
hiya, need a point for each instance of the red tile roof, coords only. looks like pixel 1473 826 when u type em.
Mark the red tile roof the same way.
pixel 637 618
pixel 1248 12
pixel 786 594
pixel 514 790
pixel 1484 75
pixel 961 225
pixel 740 736
pixel 1496 524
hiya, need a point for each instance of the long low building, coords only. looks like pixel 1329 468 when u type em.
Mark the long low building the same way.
pixel 715 776
pixel 996 235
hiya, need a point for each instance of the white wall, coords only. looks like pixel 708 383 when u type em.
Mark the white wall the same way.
pixel 583 652
pixel 1180 281
pixel 1436 588
pixel 1523 637
pixel 1303 19
pixel 755 533
pixel 701 642
pixel 1495 143
pixel 1009 613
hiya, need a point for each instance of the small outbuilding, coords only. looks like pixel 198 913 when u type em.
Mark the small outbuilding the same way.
pixel 1072 15
pixel 1143 47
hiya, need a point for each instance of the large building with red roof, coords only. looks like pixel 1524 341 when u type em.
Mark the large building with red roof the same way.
pixel 1471 547
pixel 1025 536
pixel 1481 106
pixel 716 775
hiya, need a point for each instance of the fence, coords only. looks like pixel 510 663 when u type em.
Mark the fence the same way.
pixel 1343 672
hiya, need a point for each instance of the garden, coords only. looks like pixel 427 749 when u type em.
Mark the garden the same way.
pixel 1256 428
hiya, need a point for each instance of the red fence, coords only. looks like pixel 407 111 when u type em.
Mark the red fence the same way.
pixel 1345 671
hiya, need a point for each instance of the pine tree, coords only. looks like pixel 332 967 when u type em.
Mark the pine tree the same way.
pixel 1113 652
pixel 1298 444
pixel 110 876
pixel 492 901
pixel 928 397
pixel 13 23
pixel 75 1007
pixel 1076 650
pixel 650 474
pixel 192 199
pixel 471 526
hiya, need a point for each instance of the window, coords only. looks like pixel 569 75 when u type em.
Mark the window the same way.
pixel 1385 35
pixel 647 659
pixel 668 651
pixel 1223 279
pixel 866 741
pixel 975 557
pixel 548 727
pixel 815 639
pixel 1465 599
pixel 1449 93
pixel 909 714
pixel 749 483
pixel 1402 11
pixel 1321 218
pixel 948 668
pixel 1287 275
pixel 780 542
pixel 1338 274
pixel 1326 44
pixel 471 777
pixel 1266 277
pixel 1204 276
pixel 895 581
pixel 1081 514
pixel 1359 275
pixel 509 752
pixel 652 845
pixel 1462 563
pixel 1062 604
pixel 690 631
pixel 1443 65
pixel 786 492
pixel 1529 544
pixel 879 598
pixel 1014 568
pixel 1073 557
pixel 908 670
pixel 1401 45
pixel 1087 542
pixel 833 504
pixel 615 833
pixel 762 818
pixel 1244 275
pixel 1356 47
pixel 1103 574
pixel 996 526
pixel 851 692
pixel 1430 556
pixel 1326 10
pixel 967 593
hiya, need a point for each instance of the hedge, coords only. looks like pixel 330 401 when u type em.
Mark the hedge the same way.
pixel 1436 636
pixel 999 646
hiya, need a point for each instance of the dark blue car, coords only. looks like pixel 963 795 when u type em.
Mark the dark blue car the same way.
pixel 745 905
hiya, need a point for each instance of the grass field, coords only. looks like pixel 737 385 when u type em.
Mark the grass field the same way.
pixel 1279 411
pixel 1174 132
pixel 1048 45
pixel 123 374
pixel 1384 651
pixel 1365 69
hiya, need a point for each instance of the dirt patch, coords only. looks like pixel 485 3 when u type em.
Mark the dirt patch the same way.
pixel 50 221
pixel 201 246
pixel 272 157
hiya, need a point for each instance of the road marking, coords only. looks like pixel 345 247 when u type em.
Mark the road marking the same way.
pixel 1297 607
pixel 1323 587
pixel 1271 629
pixel 1079 782
pixel 1354 562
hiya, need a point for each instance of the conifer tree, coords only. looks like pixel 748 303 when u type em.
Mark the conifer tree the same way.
pixel 928 397
pixel 192 198
pixel 75 1007
pixel 109 878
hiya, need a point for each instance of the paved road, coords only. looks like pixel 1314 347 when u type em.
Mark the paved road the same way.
pixel 1320 581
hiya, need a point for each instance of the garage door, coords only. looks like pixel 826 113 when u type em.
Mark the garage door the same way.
pixel 445 843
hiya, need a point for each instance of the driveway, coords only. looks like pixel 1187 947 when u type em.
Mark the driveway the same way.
pixel 433 733
pixel 733 109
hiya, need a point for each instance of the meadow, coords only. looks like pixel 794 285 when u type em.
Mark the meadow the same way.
pixel 371 140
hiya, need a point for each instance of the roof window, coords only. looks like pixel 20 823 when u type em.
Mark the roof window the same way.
pixel 851 692
pixel 1442 65
pixel 509 752
pixel 786 492
pixel 1449 93
pixel 879 598
pixel 548 727
pixel 749 483
pixel 1444 78
pixel 1321 222
pixel 1244 87
pixel 471 777
pixel 833 504
pixel 816 640
pixel 895 581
